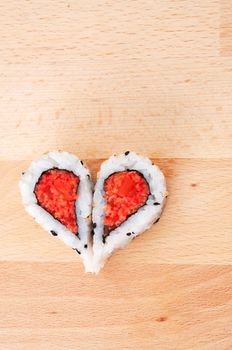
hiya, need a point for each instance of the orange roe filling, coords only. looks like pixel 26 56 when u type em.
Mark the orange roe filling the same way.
pixel 125 193
pixel 56 192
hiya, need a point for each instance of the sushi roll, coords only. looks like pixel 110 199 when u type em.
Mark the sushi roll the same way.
pixel 57 191
pixel 129 197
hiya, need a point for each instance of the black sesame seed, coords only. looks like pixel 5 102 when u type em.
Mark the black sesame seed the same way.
pixel 156 220
pixel 53 233
pixel 104 239
pixel 88 176
pixel 156 203
pixel 126 153
pixel 94 225
pixel 81 162
pixel 78 251
pixel 85 246
pixel 23 173
pixel 133 233
pixel 128 233
pixel 92 232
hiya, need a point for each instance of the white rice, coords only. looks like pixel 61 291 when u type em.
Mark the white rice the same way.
pixel 66 161
pixel 136 223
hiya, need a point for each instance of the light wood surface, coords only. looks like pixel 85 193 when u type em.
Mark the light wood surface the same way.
pixel 102 77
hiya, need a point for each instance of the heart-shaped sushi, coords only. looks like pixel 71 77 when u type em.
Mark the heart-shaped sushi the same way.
pixel 129 197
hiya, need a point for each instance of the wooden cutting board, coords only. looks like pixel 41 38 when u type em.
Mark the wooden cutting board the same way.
pixel 102 77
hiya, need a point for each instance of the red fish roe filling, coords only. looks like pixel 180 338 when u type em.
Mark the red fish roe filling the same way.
pixel 125 193
pixel 56 192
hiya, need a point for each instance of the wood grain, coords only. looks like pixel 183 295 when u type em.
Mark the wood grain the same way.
pixel 102 77
pixel 72 73
pixel 226 28
pixel 69 309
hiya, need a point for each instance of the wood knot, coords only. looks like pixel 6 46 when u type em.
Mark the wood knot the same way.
pixel 161 319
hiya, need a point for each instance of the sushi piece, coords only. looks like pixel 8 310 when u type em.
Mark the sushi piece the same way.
pixel 57 191
pixel 129 197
